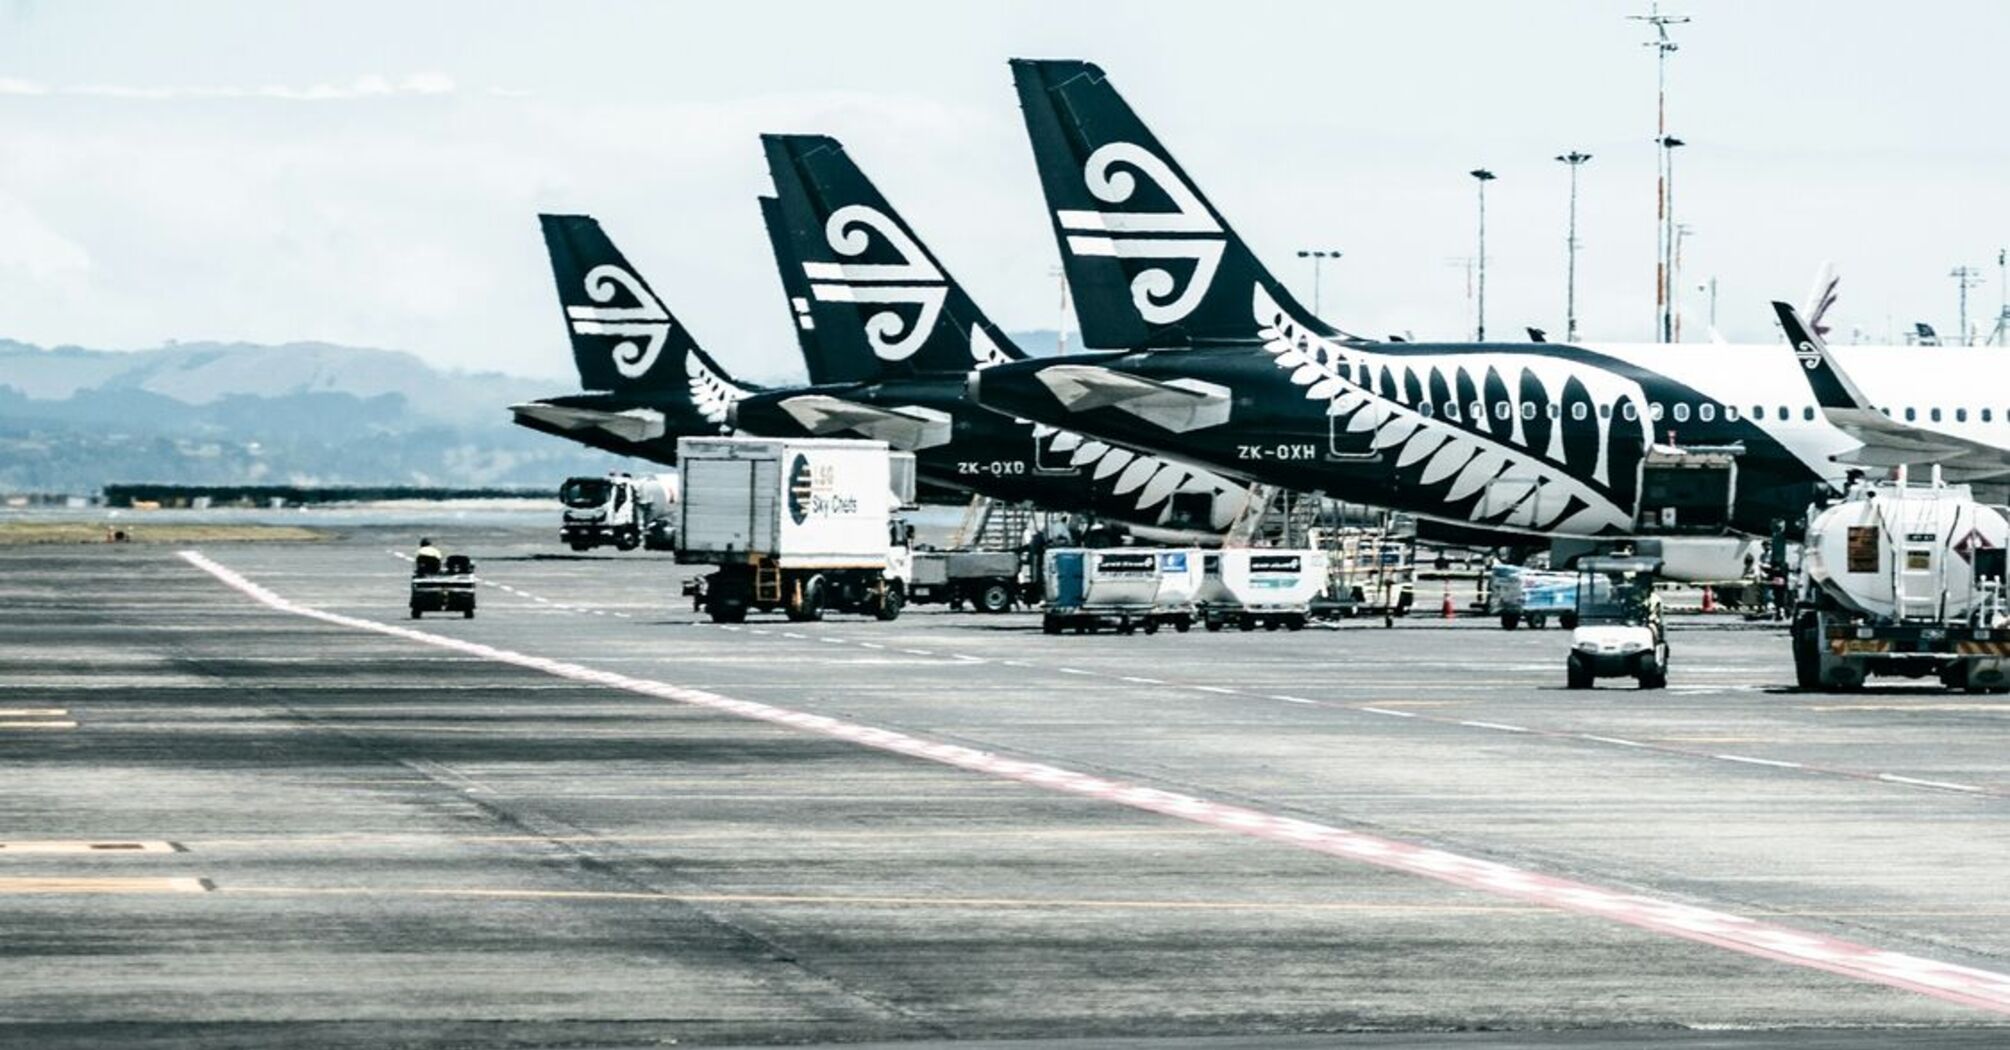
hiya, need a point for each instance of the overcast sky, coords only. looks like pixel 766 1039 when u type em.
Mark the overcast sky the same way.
pixel 368 173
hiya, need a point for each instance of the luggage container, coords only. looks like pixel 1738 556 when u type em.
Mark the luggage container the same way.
pixel 1120 588
pixel 1250 588
pixel 1529 597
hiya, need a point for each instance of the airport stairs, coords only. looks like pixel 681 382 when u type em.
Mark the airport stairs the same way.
pixel 991 525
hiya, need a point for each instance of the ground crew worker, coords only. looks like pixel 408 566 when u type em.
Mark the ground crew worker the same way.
pixel 428 557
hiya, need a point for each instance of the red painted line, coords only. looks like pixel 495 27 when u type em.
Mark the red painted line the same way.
pixel 1982 989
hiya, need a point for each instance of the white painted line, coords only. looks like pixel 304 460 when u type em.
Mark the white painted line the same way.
pixel 1502 726
pixel 726 627
pixel 919 652
pixel 1379 711
pixel 1759 761
pixel 797 637
pixel 969 659
pixel 833 641
pixel 1982 989
pixel 1917 782
pixel 33 712
pixel 37 725
pixel 541 598
pixel 862 645
pixel 759 630
pixel 623 615
pixel 599 612
pixel 101 846
pixel 1073 670
pixel 1611 740
pixel 1141 680
pixel 1015 663
pixel 1215 689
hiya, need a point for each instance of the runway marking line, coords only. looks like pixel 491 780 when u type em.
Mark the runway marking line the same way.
pixel 50 724
pixel 870 900
pixel 1140 680
pixel 108 884
pixel 1217 689
pixel 1952 982
pixel 1946 785
pixel 1373 710
pixel 33 712
pixel 1749 760
pixel 71 846
pixel 1502 726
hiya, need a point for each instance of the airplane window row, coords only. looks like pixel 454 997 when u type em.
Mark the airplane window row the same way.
pixel 1681 411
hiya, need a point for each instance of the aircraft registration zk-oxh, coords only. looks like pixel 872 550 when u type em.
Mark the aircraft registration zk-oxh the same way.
pixel 1208 359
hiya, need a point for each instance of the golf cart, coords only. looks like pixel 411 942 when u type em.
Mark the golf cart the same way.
pixel 447 586
pixel 1618 632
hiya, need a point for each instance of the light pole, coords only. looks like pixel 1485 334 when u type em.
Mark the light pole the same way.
pixel 1482 176
pixel 1665 295
pixel 1663 47
pixel 1318 257
pixel 1682 232
pixel 1575 159
pixel 1061 325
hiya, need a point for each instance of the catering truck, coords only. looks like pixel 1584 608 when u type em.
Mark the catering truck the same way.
pixel 803 526
pixel 1904 580
pixel 623 510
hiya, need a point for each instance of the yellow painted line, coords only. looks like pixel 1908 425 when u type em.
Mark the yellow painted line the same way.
pixel 57 884
pixel 12 846
pixel 890 901
pixel 32 712
pixel 37 725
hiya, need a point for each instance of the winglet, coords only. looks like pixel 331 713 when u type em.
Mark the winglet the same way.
pixel 1832 387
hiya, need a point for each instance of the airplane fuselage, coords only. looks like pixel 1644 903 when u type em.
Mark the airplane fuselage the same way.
pixel 979 451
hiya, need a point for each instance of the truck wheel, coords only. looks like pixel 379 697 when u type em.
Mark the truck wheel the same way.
pixel 1538 621
pixel 627 540
pixel 996 597
pixel 415 612
pixel 1213 625
pixel 467 614
pixel 1151 627
pixel 727 612
pixel 1567 621
pixel 890 602
pixel 1510 621
pixel 810 606
pixel 1297 623
pixel 1271 624
pixel 1050 624
pixel 1182 625
pixel 1247 623
pixel 1807 655
pixel 579 546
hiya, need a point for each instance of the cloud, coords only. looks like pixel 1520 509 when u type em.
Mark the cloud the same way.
pixel 367 86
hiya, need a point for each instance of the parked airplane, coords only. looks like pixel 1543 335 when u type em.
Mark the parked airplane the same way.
pixel 1949 420
pixel 1214 362
pixel 645 381
pixel 889 336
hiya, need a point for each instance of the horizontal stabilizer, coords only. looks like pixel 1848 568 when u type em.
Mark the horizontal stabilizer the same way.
pixel 909 428
pixel 1179 405
pixel 635 424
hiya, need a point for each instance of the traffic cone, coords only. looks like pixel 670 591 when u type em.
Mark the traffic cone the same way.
pixel 1709 600
pixel 1447 610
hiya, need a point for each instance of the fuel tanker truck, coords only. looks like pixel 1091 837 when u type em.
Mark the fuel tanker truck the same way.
pixel 1904 580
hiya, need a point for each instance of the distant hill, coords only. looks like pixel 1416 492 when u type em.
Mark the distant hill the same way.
pixel 74 419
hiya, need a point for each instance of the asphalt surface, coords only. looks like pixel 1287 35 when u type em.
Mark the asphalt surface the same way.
pixel 327 835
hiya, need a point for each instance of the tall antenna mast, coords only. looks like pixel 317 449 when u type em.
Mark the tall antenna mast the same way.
pixel 1664 233
pixel 2000 336
pixel 1965 277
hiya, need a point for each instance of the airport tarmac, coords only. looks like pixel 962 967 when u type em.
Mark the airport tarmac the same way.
pixel 250 803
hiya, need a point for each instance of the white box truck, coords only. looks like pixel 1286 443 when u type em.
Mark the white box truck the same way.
pixel 801 526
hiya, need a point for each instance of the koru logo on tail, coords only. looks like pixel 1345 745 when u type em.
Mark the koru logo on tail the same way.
pixel 913 281
pixel 1144 234
pixel 646 320
pixel 1810 357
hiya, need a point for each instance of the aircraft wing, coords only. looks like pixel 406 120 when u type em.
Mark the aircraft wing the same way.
pixel 909 428
pixel 1179 405
pixel 635 424
pixel 1887 442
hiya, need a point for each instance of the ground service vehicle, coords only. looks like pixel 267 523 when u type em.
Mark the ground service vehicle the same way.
pixel 1124 588
pixel 620 509
pixel 1904 580
pixel 446 585
pixel 1618 630
pixel 1250 587
pixel 986 580
pixel 1529 597
pixel 803 525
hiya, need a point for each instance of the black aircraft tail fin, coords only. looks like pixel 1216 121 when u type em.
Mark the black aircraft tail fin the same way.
pixel 1832 386
pixel 1151 262
pixel 796 288
pixel 623 337
pixel 879 301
